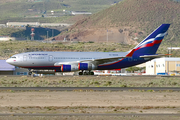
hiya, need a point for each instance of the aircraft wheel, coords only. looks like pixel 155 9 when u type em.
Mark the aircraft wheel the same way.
pixel 80 73
pixel 30 73
pixel 91 73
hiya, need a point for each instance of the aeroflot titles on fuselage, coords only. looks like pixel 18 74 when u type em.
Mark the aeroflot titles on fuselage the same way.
pixel 35 56
pixel 47 54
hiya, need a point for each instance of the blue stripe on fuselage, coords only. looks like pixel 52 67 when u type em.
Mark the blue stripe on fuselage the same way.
pixel 127 62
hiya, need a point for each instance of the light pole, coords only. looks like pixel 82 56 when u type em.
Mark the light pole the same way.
pixel 170 41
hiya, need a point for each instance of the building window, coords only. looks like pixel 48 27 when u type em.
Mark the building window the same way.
pixel 177 65
pixel 21 73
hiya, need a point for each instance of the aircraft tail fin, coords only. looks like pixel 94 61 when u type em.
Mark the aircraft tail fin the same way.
pixel 151 43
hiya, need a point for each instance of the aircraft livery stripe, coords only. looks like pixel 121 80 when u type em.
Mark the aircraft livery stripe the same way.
pixel 150 44
pixel 112 63
pixel 146 45
pixel 157 41
pixel 40 66
pixel 146 41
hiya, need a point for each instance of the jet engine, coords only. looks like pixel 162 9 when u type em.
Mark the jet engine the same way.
pixel 86 66
pixel 76 67
pixel 69 68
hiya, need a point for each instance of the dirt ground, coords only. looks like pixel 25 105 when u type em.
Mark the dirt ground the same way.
pixel 77 102
pixel 90 102
pixel 92 118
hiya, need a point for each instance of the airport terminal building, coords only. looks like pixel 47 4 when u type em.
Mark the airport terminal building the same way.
pixel 7 69
pixel 163 66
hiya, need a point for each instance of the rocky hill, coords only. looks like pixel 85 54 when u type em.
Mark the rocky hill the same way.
pixel 128 22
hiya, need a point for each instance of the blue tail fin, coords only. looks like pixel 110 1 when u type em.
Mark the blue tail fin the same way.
pixel 151 43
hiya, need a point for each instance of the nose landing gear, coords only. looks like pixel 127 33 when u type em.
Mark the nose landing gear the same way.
pixel 86 72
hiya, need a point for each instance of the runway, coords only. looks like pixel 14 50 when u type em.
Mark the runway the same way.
pixel 89 88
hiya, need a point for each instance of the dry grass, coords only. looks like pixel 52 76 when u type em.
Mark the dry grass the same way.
pixel 90 81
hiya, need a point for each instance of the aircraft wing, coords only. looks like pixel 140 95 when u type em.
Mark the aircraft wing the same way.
pixel 94 61
pixel 98 61
pixel 154 56
pixel 116 58
pixel 103 60
pixel 106 60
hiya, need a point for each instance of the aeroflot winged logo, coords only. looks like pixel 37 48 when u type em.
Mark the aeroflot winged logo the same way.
pixel 153 40
pixel 150 42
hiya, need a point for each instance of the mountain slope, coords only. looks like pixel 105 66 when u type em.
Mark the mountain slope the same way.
pixel 17 10
pixel 129 19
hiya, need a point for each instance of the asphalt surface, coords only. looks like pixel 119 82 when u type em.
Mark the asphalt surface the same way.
pixel 90 88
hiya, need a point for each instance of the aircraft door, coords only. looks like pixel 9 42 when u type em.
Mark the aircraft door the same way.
pixel 24 58
pixel 50 58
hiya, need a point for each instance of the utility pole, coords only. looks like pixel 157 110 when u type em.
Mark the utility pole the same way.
pixel 47 35
pixel 107 36
pixel 52 32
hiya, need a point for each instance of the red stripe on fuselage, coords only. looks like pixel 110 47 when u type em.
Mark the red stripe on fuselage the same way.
pixel 40 67
pixel 37 66
pixel 112 63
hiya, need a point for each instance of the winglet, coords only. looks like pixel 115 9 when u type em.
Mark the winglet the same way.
pixel 130 53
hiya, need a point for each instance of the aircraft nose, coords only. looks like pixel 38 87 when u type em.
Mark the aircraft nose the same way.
pixel 9 61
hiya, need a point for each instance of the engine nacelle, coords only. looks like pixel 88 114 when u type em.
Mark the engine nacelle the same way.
pixel 75 67
pixel 83 66
pixel 86 66
pixel 69 68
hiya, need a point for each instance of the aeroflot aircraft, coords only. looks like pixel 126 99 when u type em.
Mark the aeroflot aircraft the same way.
pixel 87 61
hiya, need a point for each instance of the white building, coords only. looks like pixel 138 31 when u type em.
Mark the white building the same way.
pixel 10 24
pixel 163 65
pixel 6 38
pixel 80 13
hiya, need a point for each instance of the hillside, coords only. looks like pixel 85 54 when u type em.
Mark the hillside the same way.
pixel 127 20
pixel 32 10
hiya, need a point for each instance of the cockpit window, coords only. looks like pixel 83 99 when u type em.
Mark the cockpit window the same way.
pixel 13 57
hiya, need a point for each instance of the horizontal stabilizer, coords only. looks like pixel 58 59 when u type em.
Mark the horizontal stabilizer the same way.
pixel 154 56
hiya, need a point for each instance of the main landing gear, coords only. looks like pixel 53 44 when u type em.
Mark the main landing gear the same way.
pixel 86 72
pixel 31 73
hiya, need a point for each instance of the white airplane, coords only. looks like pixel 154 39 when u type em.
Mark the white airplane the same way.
pixel 87 61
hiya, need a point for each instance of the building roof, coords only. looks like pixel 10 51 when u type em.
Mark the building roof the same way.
pixel 4 66
pixel 169 59
pixel 166 59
